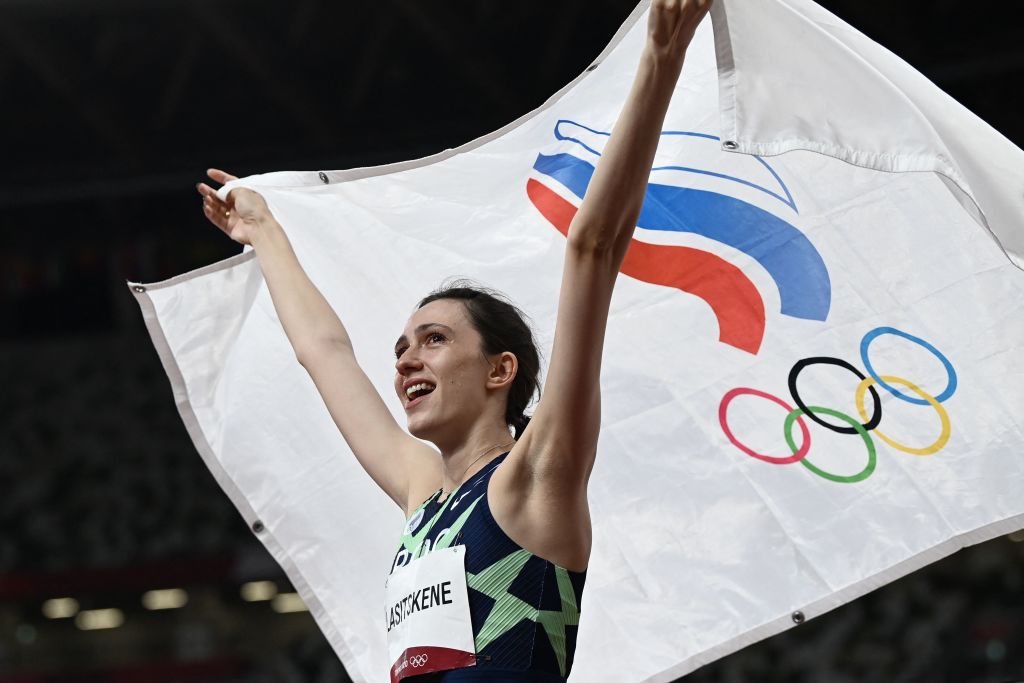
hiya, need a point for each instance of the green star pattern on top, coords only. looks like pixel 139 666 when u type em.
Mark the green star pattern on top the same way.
pixel 509 610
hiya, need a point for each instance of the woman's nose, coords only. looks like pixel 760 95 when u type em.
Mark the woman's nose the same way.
pixel 407 362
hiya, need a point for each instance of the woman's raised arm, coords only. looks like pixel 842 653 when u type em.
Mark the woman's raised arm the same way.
pixel 562 437
pixel 391 457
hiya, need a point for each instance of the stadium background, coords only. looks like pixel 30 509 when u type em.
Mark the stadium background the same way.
pixel 110 112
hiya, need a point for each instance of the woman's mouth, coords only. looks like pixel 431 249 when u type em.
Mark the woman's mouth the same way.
pixel 417 392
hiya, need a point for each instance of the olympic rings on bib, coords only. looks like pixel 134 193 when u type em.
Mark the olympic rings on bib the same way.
pixel 869 424
pixel 417 661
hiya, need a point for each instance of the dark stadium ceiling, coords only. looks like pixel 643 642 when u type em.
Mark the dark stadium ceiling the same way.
pixel 108 98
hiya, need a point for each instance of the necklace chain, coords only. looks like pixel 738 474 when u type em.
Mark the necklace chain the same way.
pixel 475 461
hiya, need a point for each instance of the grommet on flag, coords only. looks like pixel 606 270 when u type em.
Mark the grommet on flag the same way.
pixel 798 617
pixel 257 526
pixel 324 178
pixel 139 289
pixel 730 145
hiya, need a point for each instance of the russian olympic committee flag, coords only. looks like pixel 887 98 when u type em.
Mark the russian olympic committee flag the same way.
pixel 814 367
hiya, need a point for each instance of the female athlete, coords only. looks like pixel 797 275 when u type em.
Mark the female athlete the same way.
pixel 512 511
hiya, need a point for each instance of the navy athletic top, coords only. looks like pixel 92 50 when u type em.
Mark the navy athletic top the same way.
pixel 524 609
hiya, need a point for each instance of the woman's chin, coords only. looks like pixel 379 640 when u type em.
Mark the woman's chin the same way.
pixel 420 428
pixel 432 431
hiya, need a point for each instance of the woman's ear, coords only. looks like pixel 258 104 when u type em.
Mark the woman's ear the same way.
pixel 504 367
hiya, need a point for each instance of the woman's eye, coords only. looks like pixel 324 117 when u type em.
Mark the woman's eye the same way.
pixel 435 337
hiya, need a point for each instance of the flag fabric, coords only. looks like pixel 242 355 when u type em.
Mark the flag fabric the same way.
pixel 814 365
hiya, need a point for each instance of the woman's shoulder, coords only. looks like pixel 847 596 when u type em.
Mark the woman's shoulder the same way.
pixel 541 513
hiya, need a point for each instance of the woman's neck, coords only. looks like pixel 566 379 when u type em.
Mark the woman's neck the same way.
pixel 480 447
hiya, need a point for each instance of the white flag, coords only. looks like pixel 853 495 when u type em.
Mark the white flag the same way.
pixel 814 367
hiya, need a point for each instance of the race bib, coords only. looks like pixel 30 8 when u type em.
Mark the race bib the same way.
pixel 427 615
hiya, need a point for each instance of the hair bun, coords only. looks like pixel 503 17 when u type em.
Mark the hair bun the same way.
pixel 520 424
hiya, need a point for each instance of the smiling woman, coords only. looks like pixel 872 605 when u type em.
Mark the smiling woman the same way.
pixel 502 327
pixel 498 527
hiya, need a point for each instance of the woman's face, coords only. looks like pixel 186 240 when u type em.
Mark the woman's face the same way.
pixel 441 371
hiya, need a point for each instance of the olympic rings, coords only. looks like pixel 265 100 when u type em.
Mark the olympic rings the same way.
pixel 418 660
pixel 800 365
pixel 798 454
pixel 937 445
pixel 857 428
pixel 863 429
pixel 879 331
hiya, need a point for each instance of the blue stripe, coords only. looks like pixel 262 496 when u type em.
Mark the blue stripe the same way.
pixel 791 260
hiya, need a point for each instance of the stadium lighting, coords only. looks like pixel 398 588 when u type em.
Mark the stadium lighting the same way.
pixel 94 619
pixel 288 602
pixel 60 608
pixel 254 591
pixel 168 598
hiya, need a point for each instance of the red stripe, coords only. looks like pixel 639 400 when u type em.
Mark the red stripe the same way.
pixel 732 296
pixel 423 660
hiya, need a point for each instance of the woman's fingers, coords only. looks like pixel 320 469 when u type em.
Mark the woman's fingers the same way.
pixel 214 215
pixel 220 176
pixel 215 210
pixel 220 213
pixel 210 197
pixel 207 191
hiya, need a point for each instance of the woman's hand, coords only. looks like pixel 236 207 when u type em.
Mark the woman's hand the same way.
pixel 244 211
pixel 672 23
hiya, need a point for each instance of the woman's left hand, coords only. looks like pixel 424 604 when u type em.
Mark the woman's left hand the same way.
pixel 672 23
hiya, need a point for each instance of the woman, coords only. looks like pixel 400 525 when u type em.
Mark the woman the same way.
pixel 465 370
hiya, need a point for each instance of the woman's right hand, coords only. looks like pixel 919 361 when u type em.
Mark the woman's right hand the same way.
pixel 240 215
